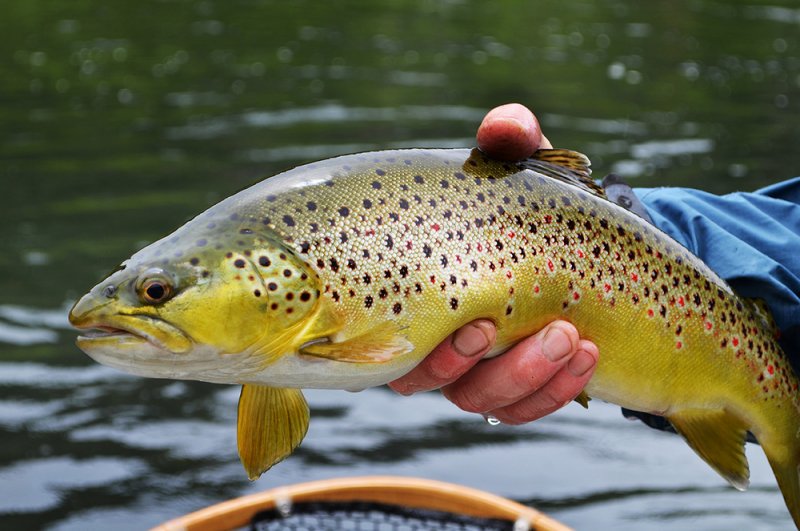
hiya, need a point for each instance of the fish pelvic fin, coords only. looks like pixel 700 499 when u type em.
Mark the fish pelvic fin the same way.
pixel 272 422
pixel 568 166
pixel 583 399
pixel 379 344
pixel 784 458
pixel 718 437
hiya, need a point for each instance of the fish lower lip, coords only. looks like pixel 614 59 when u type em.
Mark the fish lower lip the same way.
pixel 105 331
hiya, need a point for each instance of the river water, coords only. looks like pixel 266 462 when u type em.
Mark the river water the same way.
pixel 119 121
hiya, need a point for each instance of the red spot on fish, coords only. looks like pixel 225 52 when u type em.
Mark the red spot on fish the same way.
pixel 548 219
pixel 681 302
pixel 550 265
pixel 708 325
pixel 735 341
pixel 650 312
pixel 511 234
pixel 634 277
pixel 536 289
pixel 327 239
pixel 508 274
pixel 580 254
pixel 433 279
pixel 770 369
pixel 408 245
pixel 576 296
pixel 480 247
pixel 458 258
pixel 678 345
pixel 435 226
pixel 606 287
pixel 368 232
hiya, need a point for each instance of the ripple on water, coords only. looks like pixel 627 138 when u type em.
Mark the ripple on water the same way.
pixel 31 486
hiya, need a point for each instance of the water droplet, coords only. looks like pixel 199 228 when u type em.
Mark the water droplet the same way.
pixel 492 420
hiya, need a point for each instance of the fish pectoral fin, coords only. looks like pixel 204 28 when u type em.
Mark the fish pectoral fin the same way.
pixel 583 399
pixel 718 437
pixel 378 345
pixel 271 424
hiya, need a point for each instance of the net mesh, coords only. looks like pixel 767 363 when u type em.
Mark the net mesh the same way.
pixel 369 516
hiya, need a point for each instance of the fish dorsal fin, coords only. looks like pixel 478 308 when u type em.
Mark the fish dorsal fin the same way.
pixel 272 422
pixel 718 437
pixel 568 166
pixel 379 344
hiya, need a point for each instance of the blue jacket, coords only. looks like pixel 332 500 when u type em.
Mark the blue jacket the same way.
pixel 749 239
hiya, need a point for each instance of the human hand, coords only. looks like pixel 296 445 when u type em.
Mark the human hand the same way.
pixel 511 132
pixel 541 373
pixel 537 376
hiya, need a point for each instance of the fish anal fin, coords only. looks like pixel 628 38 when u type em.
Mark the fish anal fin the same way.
pixel 583 399
pixel 718 437
pixel 272 422
pixel 568 166
pixel 379 344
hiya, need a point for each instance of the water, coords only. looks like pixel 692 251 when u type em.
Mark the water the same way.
pixel 119 123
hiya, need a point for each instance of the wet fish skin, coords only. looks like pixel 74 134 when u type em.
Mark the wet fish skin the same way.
pixel 345 273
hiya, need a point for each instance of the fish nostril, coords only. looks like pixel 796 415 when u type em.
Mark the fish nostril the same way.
pixel 109 291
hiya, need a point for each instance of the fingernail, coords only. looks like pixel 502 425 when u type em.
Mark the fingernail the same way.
pixel 580 363
pixel 472 339
pixel 556 344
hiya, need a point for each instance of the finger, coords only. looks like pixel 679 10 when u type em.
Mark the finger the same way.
pixel 506 379
pixel 509 132
pixel 559 391
pixel 452 358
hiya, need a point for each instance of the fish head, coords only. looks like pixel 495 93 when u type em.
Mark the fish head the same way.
pixel 198 305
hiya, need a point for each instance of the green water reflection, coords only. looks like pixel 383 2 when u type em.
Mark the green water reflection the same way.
pixel 120 120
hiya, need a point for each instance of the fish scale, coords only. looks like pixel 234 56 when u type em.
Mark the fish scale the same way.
pixel 347 272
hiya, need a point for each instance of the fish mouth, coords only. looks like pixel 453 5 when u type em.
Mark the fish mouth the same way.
pixel 123 332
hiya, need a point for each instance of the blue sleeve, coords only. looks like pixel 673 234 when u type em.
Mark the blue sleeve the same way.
pixel 750 239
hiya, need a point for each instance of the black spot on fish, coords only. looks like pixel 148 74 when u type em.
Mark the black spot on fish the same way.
pixel 397 308
pixel 380 172
pixel 201 243
pixel 444 183
pixel 305 296
pixel 287 273
pixel 351 263
pixel 194 261
pixel 344 212
pixel 404 204
pixel 367 204
pixel 272 286
pixel 418 179
pixel 311 205
pixel 376 185
pixel 334 265
pixel 453 303
pixel 288 220
pixel 239 263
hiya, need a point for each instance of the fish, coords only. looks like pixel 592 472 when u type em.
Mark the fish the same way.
pixel 345 273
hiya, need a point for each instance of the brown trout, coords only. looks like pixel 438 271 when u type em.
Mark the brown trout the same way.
pixel 345 273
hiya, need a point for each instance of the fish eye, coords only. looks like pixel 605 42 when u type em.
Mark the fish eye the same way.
pixel 154 286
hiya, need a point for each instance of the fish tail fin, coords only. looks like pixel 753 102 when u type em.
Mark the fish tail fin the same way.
pixel 784 458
